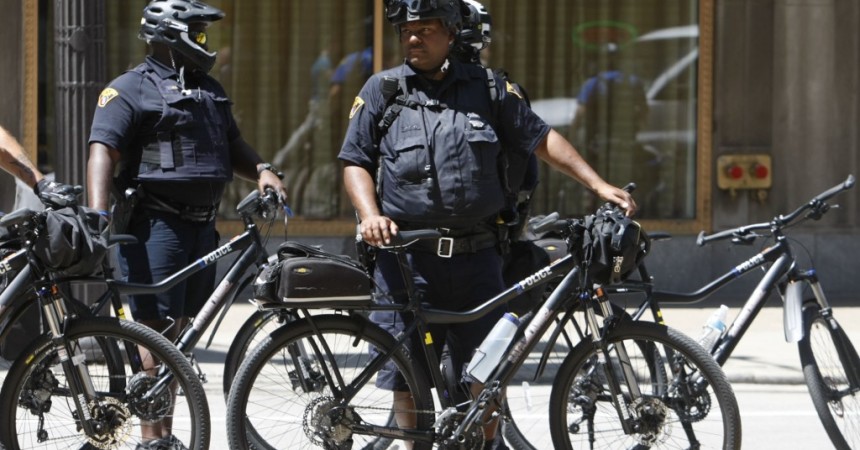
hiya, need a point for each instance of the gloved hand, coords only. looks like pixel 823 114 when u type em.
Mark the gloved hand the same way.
pixel 57 195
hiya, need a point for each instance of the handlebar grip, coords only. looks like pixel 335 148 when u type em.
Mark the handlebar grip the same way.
pixel 547 223
pixel 843 186
pixel 703 239
pixel 17 217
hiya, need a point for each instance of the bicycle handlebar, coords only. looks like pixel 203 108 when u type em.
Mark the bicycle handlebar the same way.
pixel 259 204
pixel 817 207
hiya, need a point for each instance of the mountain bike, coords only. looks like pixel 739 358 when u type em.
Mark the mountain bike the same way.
pixel 628 383
pixel 87 382
pixel 829 360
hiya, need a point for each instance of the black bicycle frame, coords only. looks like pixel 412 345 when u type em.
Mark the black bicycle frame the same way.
pixel 778 255
pixel 250 245
pixel 524 341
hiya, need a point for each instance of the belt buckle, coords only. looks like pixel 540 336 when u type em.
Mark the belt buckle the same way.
pixel 445 248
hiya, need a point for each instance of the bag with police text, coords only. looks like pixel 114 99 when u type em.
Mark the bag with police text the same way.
pixel 613 245
pixel 306 276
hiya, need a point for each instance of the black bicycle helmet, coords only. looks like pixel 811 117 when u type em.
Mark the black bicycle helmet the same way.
pixel 399 12
pixel 167 21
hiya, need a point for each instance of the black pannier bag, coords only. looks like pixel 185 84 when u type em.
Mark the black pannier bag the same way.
pixel 73 242
pixel 613 245
pixel 305 276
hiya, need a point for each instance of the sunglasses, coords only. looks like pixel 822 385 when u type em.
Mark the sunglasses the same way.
pixel 198 36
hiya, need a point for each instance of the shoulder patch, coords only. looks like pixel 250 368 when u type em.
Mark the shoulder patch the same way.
pixel 356 105
pixel 510 88
pixel 106 96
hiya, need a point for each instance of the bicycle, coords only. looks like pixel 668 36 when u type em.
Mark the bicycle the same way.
pixel 628 382
pixel 829 360
pixel 85 382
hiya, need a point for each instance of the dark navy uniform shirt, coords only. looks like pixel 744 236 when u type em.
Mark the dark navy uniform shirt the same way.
pixel 127 116
pixel 440 164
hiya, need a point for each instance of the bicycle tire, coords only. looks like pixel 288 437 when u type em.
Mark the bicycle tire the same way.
pixel 580 400
pixel 837 405
pixel 36 389
pixel 268 408
pixel 259 325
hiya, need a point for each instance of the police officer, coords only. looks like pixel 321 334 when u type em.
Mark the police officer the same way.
pixel 169 128
pixel 437 162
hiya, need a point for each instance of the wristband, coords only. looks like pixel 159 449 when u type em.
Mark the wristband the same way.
pixel 264 167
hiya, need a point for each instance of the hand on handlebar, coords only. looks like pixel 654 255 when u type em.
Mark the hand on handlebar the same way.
pixel 54 194
pixel 272 180
pixel 620 197
pixel 377 230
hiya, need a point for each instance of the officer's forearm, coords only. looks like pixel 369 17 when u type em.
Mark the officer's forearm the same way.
pixel 15 161
pixel 100 167
pixel 559 153
pixel 244 159
pixel 362 191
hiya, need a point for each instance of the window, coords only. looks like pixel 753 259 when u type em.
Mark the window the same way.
pixel 292 70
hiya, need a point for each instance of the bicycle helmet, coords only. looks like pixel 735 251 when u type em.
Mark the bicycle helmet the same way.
pixel 476 26
pixel 399 12
pixel 167 21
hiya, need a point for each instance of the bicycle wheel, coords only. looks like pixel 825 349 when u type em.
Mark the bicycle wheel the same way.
pixel 835 396
pixel 250 334
pixel 525 412
pixel 697 409
pixel 39 411
pixel 288 392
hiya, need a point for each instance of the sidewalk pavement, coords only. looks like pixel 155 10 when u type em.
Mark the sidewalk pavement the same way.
pixel 762 356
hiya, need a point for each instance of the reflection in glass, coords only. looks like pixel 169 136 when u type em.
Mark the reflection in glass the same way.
pixel 292 70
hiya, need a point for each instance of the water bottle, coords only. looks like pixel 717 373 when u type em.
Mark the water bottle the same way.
pixel 493 348
pixel 714 328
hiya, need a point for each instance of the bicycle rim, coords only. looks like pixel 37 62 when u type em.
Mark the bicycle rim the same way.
pixel 836 401
pixel 41 410
pixel 680 414
pixel 272 406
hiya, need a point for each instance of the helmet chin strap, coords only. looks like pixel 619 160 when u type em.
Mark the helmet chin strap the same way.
pixel 181 72
pixel 444 67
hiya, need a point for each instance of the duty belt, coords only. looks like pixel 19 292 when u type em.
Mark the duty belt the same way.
pixel 185 212
pixel 448 246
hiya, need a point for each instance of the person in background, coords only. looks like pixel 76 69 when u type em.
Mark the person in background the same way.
pixel 168 127
pixel 436 166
